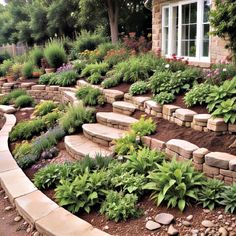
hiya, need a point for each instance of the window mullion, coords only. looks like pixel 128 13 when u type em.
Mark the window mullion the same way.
pixel 180 30
pixel 199 29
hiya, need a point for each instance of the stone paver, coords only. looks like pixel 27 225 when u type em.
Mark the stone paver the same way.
pixel 217 124
pixel 16 184
pixel 124 106
pixel 80 146
pixel 103 132
pixel 182 147
pixel 38 87
pixel 115 118
pixel 34 206
pixel 185 114
pixel 52 225
pixel 153 105
pixel 7 162
pixel 202 118
pixel 8 85
pixel 232 166
pixel 116 94
pixel 7 109
pixel 219 159
pixel 169 109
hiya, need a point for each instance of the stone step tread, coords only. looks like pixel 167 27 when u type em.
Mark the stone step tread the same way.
pixel 115 118
pixel 102 131
pixel 124 105
pixel 7 109
pixel 82 146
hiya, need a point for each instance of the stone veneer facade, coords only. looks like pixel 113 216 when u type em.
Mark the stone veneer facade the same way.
pixel 217 45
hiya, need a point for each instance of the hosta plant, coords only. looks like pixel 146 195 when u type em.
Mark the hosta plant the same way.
pixel 175 183
pixel 229 198
pixel 138 88
pixel 119 206
pixel 164 98
pixel 210 194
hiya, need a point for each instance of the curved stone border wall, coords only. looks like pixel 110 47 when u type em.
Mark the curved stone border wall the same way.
pixel 36 208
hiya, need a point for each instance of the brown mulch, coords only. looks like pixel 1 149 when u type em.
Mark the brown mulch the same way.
pixel 210 140
pixel 124 87
pixel 23 115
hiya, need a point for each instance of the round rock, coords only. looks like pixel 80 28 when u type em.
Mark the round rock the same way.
pixel 190 217
pixel 207 223
pixel 152 225
pixel 18 218
pixel 164 218
pixel 223 231
pixel 186 223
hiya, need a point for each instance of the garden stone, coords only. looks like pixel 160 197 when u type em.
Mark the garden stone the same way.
pixel 172 230
pixel 17 218
pixel 190 217
pixel 8 208
pixel 152 225
pixel 223 231
pixel 207 223
pixel 164 218
pixel 36 233
pixel 185 114
pixel 220 217
pixel 186 223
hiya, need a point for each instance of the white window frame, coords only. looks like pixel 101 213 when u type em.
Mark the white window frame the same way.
pixel 199 37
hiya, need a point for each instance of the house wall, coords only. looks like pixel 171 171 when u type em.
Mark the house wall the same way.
pixel 217 45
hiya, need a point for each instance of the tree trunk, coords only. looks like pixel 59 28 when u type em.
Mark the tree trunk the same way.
pixel 113 13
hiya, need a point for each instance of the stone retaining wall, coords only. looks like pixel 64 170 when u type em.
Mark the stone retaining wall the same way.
pixel 181 117
pixel 218 165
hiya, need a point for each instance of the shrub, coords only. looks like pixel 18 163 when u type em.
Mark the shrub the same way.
pixel 27 161
pixel 4 56
pixel 27 129
pixel 22 149
pixel 45 107
pixel 110 82
pixel 12 96
pixel 90 96
pixel 84 192
pixel 36 56
pixel 95 78
pixel 175 183
pixel 75 117
pixel 229 198
pixel 17 70
pixel 24 101
pixel 79 65
pixel 210 194
pixel 126 144
pixel 5 66
pixel 46 78
pixel 51 118
pixel 120 206
pixel 55 54
pixel 164 98
pixel 88 41
pixel 90 69
pixel 143 160
pixel 138 88
pixel 144 126
pixel 197 95
pixel 114 56
pixel 64 79
pixel 27 70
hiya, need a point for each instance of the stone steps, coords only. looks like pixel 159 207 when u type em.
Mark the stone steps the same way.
pixel 101 134
pixel 115 120
pixel 122 107
pixel 79 146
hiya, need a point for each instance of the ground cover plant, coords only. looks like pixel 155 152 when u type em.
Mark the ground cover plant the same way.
pixel 12 96
pixel 138 88
pixel 164 98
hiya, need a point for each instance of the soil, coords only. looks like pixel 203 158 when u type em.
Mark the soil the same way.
pixel 135 227
pixel 124 87
pixel 210 140
pixel 23 115
pixel 8 227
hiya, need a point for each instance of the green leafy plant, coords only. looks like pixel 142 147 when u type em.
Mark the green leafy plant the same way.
pixel 138 88
pixel 46 78
pixel 90 96
pixel 24 101
pixel 22 149
pixel 143 160
pixel 55 54
pixel 144 126
pixel 164 98
pixel 84 192
pixel 52 118
pixel 45 107
pixel 75 117
pixel 90 69
pixel 127 144
pixel 36 54
pixel 120 206
pixel 95 78
pixel 5 66
pixel 27 70
pixel 64 79
pixel 197 95
pixel 110 82
pixel 229 198
pixel 175 183
pixel 12 96
pixel 210 194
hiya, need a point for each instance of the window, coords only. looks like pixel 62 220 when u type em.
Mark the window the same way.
pixel 185 29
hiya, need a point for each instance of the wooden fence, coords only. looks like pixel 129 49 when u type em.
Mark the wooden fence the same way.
pixel 13 49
